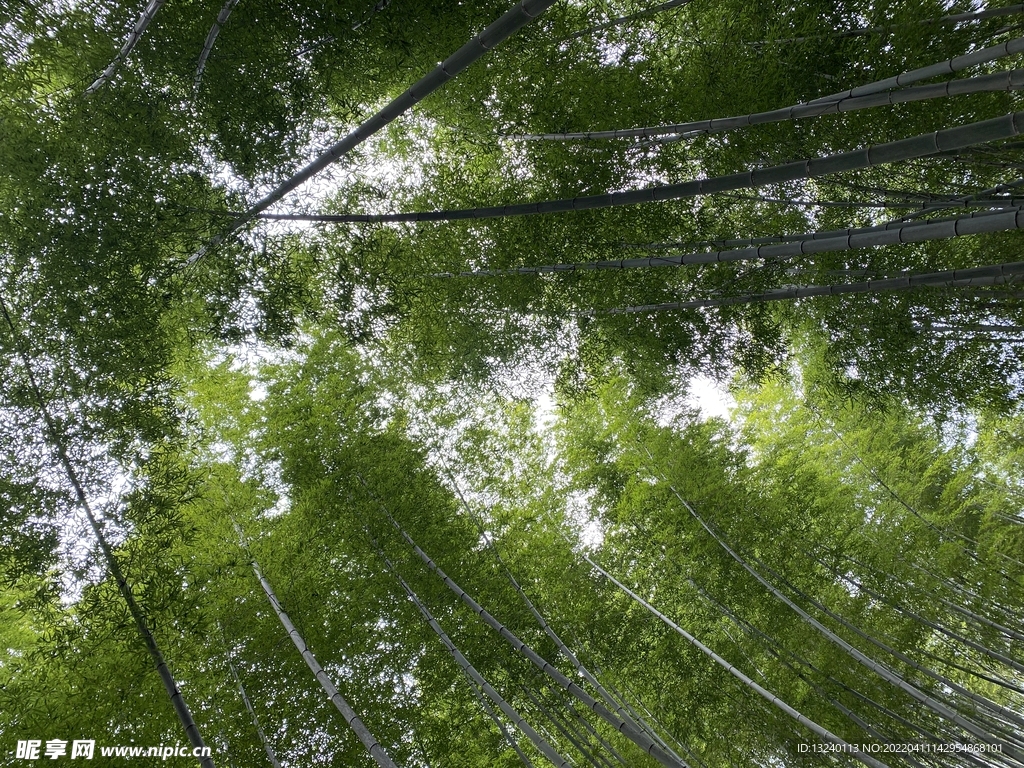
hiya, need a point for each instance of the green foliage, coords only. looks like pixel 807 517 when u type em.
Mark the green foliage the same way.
pixel 312 383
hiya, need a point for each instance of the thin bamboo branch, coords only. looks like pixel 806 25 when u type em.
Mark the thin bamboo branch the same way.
pixel 497 32
pixel 956 18
pixel 113 565
pixel 626 19
pixel 222 19
pixel 126 49
pixel 880 154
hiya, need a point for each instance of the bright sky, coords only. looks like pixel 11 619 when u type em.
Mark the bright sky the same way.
pixel 711 397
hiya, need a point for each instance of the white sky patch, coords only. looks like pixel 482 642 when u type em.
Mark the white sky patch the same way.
pixel 711 397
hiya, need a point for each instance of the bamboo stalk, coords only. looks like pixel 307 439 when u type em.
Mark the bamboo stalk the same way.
pixel 995 655
pixel 559 643
pixel 948 67
pixel 222 19
pixel 255 720
pixel 910 508
pixel 126 49
pixel 596 760
pixel 772 646
pixel 989 275
pixel 732 670
pixel 1011 721
pixel 497 32
pixel 367 739
pixel 181 709
pixel 893 233
pixel 482 698
pixel 630 731
pixel 1004 127
pixel 1009 80
pixel 1008 634
pixel 474 675
pixel 878 668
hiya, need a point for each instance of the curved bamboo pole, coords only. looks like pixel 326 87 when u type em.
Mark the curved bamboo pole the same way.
pixel 497 32
pixel 1009 80
pixel 222 19
pixel 997 128
pixel 126 49
pixel 57 443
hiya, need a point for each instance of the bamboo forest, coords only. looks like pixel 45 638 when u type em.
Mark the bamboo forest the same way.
pixel 566 384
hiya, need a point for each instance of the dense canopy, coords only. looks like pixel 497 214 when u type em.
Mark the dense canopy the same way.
pixel 351 360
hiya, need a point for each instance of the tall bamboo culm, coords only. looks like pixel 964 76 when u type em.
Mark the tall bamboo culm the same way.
pixel 367 739
pixel 1009 80
pixel 739 675
pixel 565 650
pixel 497 32
pixel 542 745
pixel 133 39
pixel 181 709
pixel 638 737
pixel 995 129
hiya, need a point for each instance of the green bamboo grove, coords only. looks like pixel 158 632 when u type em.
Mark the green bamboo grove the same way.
pixel 571 384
